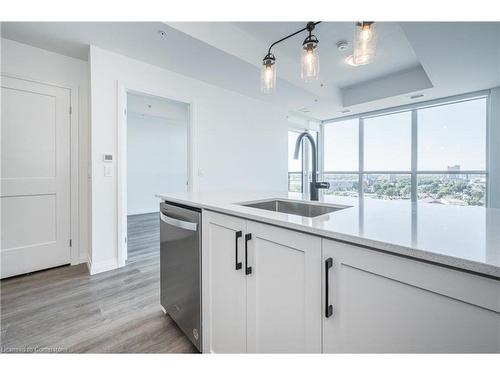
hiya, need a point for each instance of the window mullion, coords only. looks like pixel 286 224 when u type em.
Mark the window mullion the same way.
pixel 414 155
pixel 321 152
pixel 361 161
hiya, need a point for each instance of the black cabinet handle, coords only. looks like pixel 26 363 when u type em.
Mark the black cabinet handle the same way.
pixel 237 264
pixel 248 270
pixel 328 307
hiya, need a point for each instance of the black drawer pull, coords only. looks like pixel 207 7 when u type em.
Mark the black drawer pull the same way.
pixel 248 270
pixel 237 264
pixel 328 307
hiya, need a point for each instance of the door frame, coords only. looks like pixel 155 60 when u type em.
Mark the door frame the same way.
pixel 123 88
pixel 74 146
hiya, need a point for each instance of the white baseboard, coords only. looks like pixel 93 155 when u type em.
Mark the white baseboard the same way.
pixel 89 265
pixel 142 211
pixel 84 258
pixel 103 266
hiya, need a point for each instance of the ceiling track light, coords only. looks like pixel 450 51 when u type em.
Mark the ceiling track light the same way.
pixel 310 60
pixel 364 43
pixel 268 74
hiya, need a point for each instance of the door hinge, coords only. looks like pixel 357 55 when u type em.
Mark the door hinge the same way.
pixel 125 239
pixel 70 243
pixel 70 110
pixel 125 111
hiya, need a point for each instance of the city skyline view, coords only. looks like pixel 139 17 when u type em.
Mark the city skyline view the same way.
pixel 450 138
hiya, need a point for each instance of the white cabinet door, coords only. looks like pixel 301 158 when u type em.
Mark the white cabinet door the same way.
pixel 386 303
pixel 35 180
pixel 283 291
pixel 223 287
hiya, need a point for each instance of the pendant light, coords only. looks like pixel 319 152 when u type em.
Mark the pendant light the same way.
pixel 364 43
pixel 268 74
pixel 309 62
pixel 310 59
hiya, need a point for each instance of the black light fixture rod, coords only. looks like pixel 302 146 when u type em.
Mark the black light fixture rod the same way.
pixel 308 27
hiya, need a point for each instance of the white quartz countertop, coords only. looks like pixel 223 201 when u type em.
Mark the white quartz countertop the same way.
pixel 466 238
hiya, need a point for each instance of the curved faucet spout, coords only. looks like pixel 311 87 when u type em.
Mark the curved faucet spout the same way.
pixel 299 142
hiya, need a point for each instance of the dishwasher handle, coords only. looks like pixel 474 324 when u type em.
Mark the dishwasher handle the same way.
pixel 178 223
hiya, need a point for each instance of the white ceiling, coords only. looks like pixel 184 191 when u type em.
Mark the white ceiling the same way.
pixel 394 53
pixel 435 59
pixel 178 52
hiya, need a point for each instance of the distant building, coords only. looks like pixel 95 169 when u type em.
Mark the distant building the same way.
pixel 455 176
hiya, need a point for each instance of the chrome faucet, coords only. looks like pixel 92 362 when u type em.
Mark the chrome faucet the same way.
pixel 314 185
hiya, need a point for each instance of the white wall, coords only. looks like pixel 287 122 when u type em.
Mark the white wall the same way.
pixel 48 67
pixel 156 159
pixel 238 142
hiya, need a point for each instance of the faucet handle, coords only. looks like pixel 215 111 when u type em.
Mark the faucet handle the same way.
pixel 322 185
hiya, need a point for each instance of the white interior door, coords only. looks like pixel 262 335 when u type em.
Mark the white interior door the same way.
pixel 35 176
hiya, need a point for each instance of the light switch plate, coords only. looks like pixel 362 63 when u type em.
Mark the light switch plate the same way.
pixel 108 171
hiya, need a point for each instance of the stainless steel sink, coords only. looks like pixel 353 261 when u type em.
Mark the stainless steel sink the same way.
pixel 295 207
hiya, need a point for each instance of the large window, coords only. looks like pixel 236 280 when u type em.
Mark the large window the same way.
pixel 342 153
pixel 388 142
pixel 452 136
pixel 452 139
pixel 341 158
pixel 433 153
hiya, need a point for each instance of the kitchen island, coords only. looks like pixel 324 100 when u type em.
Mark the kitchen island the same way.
pixel 372 276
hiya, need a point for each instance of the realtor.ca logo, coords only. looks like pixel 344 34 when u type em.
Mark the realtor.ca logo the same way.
pixel 31 349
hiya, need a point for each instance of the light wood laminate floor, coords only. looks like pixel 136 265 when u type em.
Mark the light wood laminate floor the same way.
pixel 66 310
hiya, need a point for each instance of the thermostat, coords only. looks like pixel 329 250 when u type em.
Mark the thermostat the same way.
pixel 107 158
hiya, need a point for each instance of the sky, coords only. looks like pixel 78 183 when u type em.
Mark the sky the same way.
pixel 453 135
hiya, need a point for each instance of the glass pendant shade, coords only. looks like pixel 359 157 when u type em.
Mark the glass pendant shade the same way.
pixel 268 76
pixel 309 62
pixel 364 43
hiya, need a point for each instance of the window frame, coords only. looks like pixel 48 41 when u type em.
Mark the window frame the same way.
pixel 413 172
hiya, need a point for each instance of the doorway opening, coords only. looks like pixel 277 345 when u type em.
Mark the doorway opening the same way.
pixel 157 161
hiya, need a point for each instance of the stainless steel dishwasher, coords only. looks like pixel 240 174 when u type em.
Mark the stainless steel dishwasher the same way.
pixel 180 267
